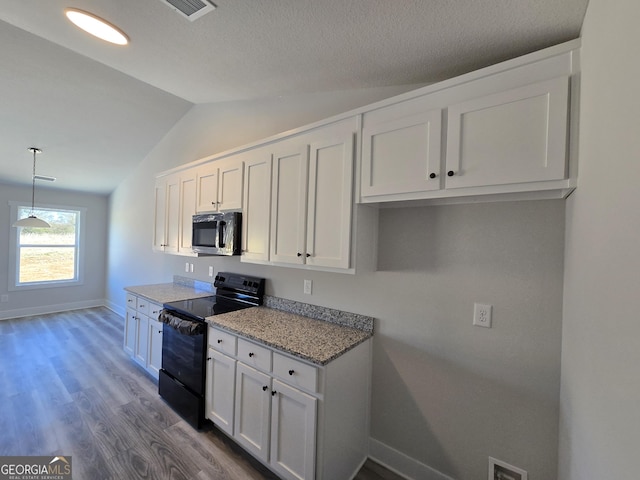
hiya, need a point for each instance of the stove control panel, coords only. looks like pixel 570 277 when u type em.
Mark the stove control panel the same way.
pixel 240 283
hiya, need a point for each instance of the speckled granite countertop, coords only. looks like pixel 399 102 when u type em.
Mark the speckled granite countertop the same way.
pixel 314 340
pixel 181 289
pixel 313 333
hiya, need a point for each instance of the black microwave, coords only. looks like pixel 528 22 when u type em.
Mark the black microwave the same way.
pixel 217 233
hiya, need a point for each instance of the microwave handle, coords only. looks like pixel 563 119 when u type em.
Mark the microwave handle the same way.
pixel 222 226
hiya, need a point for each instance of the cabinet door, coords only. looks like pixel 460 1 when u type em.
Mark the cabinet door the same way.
pixel 252 407
pixel 220 390
pixel 207 188
pixel 400 156
pixel 142 339
pixel 256 215
pixel 160 215
pixel 154 354
pixel 187 210
pixel 329 202
pixel 130 328
pixel 293 432
pixel 172 223
pixel 289 204
pixel 230 184
pixel 510 137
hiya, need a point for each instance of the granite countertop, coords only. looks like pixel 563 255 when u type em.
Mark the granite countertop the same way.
pixel 169 292
pixel 314 340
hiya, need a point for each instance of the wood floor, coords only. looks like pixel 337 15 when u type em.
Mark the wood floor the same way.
pixel 67 388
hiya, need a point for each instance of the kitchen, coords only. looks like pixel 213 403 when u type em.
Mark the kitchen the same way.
pixel 505 380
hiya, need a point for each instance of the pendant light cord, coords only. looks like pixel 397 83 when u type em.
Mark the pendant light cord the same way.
pixel 33 179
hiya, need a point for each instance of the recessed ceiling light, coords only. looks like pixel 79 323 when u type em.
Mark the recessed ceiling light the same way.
pixel 96 26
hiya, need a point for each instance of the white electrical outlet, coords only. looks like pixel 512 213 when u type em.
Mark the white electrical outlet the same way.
pixel 482 315
pixel 211 271
pixel 186 267
pixel 307 287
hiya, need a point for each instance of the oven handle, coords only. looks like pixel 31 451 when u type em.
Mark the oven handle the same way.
pixel 182 325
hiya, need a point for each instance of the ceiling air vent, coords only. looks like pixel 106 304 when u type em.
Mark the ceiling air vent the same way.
pixel 191 9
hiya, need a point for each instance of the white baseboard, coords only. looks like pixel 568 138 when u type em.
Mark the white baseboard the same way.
pixel 402 464
pixel 45 309
pixel 115 308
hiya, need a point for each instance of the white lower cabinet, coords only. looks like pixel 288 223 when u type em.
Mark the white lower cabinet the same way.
pixel 220 386
pixel 301 420
pixel 154 356
pixel 130 328
pixel 253 405
pixel 141 352
pixel 293 431
pixel 143 333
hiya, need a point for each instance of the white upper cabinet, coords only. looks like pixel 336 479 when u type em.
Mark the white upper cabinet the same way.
pixel 166 230
pixel 175 196
pixel 330 198
pixel 219 185
pixel 311 199
pixel 207 187
pixel 502 132
pixel 517 136
pixel 160 214
pixel 401 153
pixel 256 214
pixel 289 203
pixel 187 210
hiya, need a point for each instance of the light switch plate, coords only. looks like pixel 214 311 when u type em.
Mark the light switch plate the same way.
pixel 307 287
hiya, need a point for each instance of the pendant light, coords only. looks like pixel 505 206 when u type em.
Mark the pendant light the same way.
pixel 32 220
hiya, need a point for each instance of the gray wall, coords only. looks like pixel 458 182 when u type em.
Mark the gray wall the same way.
pixel 91 292
pixel 446 395
pixel 600 395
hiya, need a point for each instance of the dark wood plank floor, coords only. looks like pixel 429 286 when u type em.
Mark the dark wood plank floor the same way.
pixel 68 388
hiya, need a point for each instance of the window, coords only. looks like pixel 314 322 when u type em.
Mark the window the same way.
pixel 48 256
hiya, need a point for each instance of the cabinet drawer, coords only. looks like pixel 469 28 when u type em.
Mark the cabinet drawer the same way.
pixel 143 306
pixel 255 355
pixel 222 341
pixel 132 301
pixel 295 372
pixel 154 310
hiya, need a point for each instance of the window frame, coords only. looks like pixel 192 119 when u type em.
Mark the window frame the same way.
pixel 14 258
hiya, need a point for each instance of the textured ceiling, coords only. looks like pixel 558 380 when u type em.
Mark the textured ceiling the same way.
pixel 242 50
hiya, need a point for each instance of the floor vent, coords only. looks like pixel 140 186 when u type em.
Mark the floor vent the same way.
pixel 191 9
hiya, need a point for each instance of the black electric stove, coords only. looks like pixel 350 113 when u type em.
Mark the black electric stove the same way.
pixel 184 340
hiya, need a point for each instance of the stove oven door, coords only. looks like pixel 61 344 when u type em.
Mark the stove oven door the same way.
pixel 183 357
pixel 182 378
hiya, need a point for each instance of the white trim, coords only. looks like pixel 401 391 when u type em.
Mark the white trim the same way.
pixel 46 309
pixel 80 246
pixel 115 308
pixel 402 464
pixel 493 463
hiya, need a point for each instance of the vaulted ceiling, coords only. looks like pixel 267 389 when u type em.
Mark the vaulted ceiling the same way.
pixel 97 110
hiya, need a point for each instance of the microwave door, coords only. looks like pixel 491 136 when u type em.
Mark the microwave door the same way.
pixel 204 234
